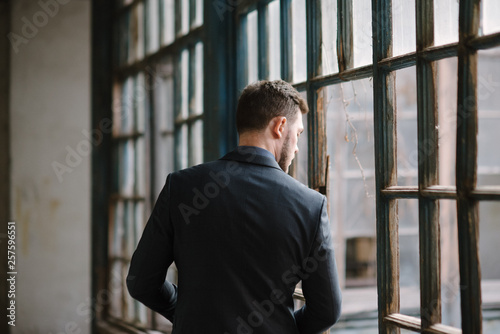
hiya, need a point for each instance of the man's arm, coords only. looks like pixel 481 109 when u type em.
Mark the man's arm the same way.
pixel 149 264
pixel 320 284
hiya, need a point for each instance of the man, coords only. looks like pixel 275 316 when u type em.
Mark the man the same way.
pixel 242 233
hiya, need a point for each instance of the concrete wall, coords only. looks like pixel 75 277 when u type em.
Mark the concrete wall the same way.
pixel 4 158
pixel 49 109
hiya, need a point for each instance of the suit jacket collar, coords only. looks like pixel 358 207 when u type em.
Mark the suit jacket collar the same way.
pixel 252 155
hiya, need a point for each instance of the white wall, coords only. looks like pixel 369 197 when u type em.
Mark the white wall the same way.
pixel 50 106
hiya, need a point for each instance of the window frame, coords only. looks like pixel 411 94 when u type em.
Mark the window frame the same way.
pixel 218 119
pixel 466 194
pixel 147 64
pixel 428 192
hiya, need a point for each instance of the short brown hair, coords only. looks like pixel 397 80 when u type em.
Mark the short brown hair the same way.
pixel 261 101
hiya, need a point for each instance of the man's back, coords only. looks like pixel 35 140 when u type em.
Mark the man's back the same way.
pixel 242 234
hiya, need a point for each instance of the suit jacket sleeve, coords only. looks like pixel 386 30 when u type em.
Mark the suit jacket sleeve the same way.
pixel 150 262
pixel 320 284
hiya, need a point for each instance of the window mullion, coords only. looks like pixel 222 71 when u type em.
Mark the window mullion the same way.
pixel 344 35
pixel 385 163
pixel 313 18
pixel 316 117
pixel 263 40
pixel 192 13
pixel 466 169
pixel 242 53
pixel 427 118
pixel 191 102
pixel 178 17
pixel 286 40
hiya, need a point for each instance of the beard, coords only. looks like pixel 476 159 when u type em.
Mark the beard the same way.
pixel 285 155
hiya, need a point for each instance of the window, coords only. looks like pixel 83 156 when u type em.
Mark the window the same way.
pixel 392 141
pixel 401 136
pixel 157 127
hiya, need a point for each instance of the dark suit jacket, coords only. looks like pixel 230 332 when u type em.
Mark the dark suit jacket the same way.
pixel 242 234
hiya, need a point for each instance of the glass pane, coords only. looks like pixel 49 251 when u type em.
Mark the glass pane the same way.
pixel 329 63
pixel 152 25
pixel 140 223
pixel 183 17
pixel 350 122
pixel 299 40
pixel 409 274
pixel 403 27
pixel 128 231
pixel 129 304
pixel 184 80
pixel 197 102
pixel 407 137
pixel 360 207
pixel 122 30
pixel 199 13
pixel 164 96
pixel 125 123
pixel 488 99
pixel 446 81
pixel 117 107
pixel 359 136
pixel 445 21
pixel 141 313
pixel 136 33
pixel 167 21
pixel 140 100
pixel 361 264
pixel 406 331
pixel 274 40
pixel 126 168
pixel 362 32
pixel 140 167
pixel 489 16
pixel 164 159
pixel 408 216
pixel 450 274
pixel 116 286
pixel 181 147
pixel 489 230
pixel 252 47
pixel 196 143
pixel 116 231
pixel 349 126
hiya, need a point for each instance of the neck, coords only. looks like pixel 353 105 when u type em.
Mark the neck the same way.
pixel 258 139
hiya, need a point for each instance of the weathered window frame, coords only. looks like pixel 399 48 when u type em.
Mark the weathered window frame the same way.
pixel 165 60
pixel 465 193
pixel 428 192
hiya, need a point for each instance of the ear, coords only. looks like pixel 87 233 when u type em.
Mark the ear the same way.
pixel 278 126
